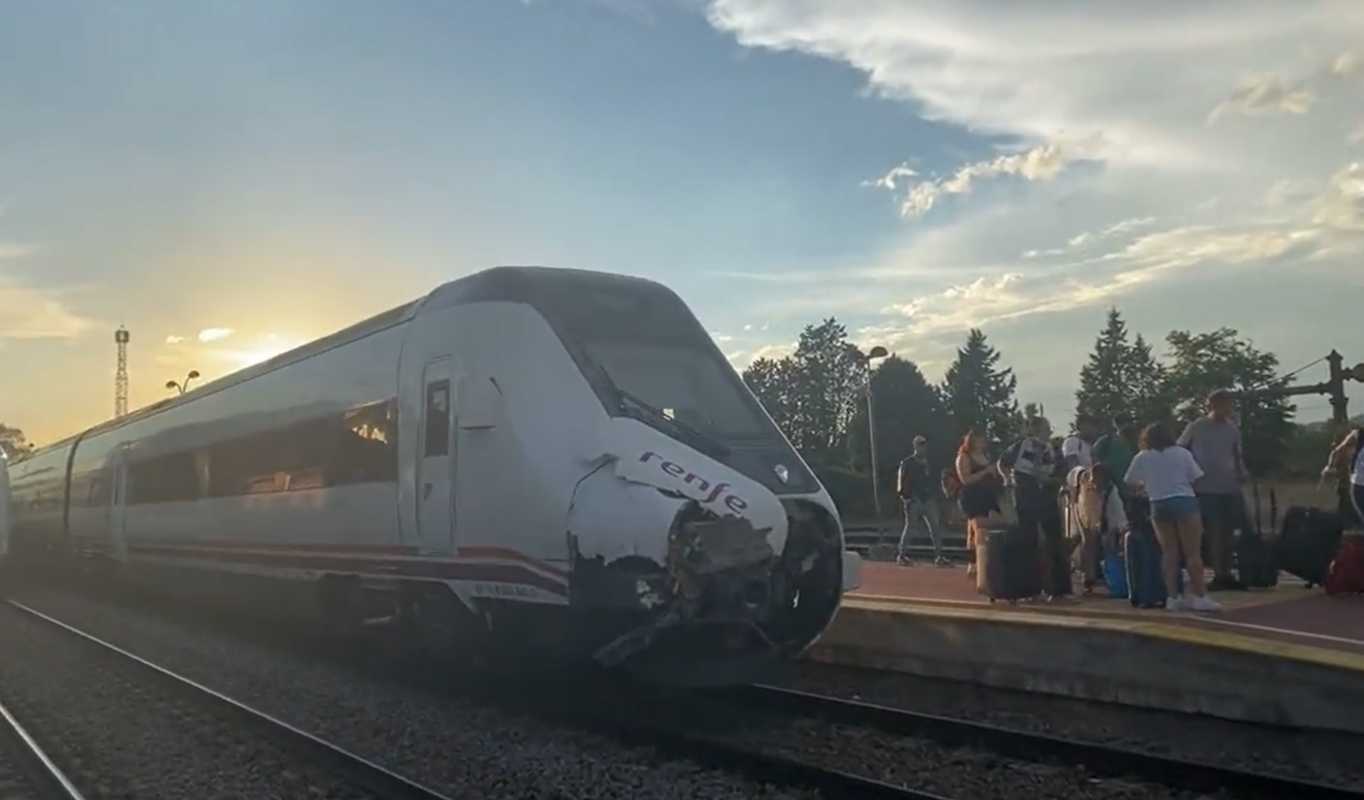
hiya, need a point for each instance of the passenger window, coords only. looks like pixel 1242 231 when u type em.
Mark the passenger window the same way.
pixel 438 418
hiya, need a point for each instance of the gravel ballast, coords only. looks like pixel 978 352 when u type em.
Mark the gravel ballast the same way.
pixel 457 745
pixel 119 731
pixel 1324 756
pixel 462 744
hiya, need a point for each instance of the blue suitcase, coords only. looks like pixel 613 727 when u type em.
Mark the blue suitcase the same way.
pixel 1115 575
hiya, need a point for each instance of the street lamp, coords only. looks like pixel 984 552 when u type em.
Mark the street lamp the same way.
pixel 873 354
pixel 183 387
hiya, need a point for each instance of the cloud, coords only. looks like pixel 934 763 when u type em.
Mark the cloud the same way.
pixel 1085 238
pixel 1345 64
pixel 890 180
pixel 13 250
pixel 173 339
pixel 29 313
pixel 215 334
pixel 1039 163
pixel 720 337
pixel 1264 94
pixel 1341 207
pixel 1357 135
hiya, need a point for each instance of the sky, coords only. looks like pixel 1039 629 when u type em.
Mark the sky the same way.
pixel 231 179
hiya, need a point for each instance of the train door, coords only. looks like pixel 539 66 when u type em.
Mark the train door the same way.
pixel 436 464
pixel 118 504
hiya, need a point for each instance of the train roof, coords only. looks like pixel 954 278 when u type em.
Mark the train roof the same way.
pixel 525 284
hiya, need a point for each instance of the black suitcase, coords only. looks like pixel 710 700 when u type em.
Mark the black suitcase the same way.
pixel 1007 564
pixel 1255 561
pixel 1308 541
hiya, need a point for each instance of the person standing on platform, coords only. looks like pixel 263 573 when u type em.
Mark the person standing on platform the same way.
pixel 1076 450
pixel 1215 442
pixel 1030 464
pixel 979 494
pixel 1167 473
pixel 1116 448
pixel 1349 456
pixel 918 493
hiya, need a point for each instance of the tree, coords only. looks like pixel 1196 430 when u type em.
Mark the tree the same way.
pixel 1202 362
pixel 813 393
pixel 1122 378
pixel 906 405
pixel 830 376
pixel 1148 385
pixel 1105 380
pixel 13 442
pixel 770 379
pixel 980 396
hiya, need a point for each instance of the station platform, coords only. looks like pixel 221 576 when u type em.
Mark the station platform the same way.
pixel 1285 655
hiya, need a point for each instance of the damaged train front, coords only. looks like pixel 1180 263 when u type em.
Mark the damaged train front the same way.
pixel 691 572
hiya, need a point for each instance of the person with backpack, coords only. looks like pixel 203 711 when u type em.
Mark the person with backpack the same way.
pixel 1098 519
pixel 977 488
pixel 1165 472
pixel 914 484
pixel 1116 448
pixel 1030 464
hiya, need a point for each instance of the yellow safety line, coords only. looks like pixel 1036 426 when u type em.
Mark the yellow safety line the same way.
pixel 1175 632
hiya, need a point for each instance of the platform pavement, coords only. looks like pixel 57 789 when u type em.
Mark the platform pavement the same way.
pixel 1287 655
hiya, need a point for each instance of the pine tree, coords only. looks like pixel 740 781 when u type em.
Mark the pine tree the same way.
pixel 1106 381
pixel 978 395
pixel 1149 394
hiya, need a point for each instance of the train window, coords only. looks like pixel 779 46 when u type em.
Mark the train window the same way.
pixel 163 479
pixel 438 418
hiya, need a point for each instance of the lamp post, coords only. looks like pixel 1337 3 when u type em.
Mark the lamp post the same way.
pixel 875 353
pixel 183 387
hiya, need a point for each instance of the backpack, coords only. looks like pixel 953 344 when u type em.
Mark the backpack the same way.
pixel 904 481
pixel 1346 573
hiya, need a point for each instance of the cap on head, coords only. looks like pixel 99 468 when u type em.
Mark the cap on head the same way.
pixel 1217 396
pixel 920 439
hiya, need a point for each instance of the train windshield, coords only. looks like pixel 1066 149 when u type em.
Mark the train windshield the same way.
pixel 649 358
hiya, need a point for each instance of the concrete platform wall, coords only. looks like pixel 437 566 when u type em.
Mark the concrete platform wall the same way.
pixel 1139 663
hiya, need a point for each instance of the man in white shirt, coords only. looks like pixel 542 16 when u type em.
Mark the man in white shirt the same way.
pixel 1076 449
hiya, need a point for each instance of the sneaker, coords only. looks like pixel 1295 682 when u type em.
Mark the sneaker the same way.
pixel 904 561
pixel 1204 603
pixel 1174 604
pixel 942 561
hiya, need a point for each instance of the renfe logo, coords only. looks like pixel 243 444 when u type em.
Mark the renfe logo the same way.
pixel 732 501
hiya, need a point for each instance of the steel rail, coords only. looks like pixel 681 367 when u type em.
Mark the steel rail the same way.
pixel 354 768
pixel 40 768
pixel 1103 759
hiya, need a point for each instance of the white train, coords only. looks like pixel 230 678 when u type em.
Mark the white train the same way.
pixel 565 453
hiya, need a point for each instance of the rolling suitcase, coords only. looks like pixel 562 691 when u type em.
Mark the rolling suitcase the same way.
pixel 1006 564
pixel 1308 541
pixel 1346 573
pixel 1145 583
pixel 1255 561
pixel 1115 575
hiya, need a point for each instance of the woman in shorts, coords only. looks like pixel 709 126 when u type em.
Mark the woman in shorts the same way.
pixel 1166 473
pixel 980 486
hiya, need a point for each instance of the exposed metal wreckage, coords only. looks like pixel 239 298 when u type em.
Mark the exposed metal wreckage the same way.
pixel 722 580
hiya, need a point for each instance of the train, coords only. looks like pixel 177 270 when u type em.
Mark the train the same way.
pixel 527 459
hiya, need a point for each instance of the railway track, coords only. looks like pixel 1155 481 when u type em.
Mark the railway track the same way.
pixel 350 769
pixel 769 768
pixel 1100 758
pixel 25 770
pixel 716 753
